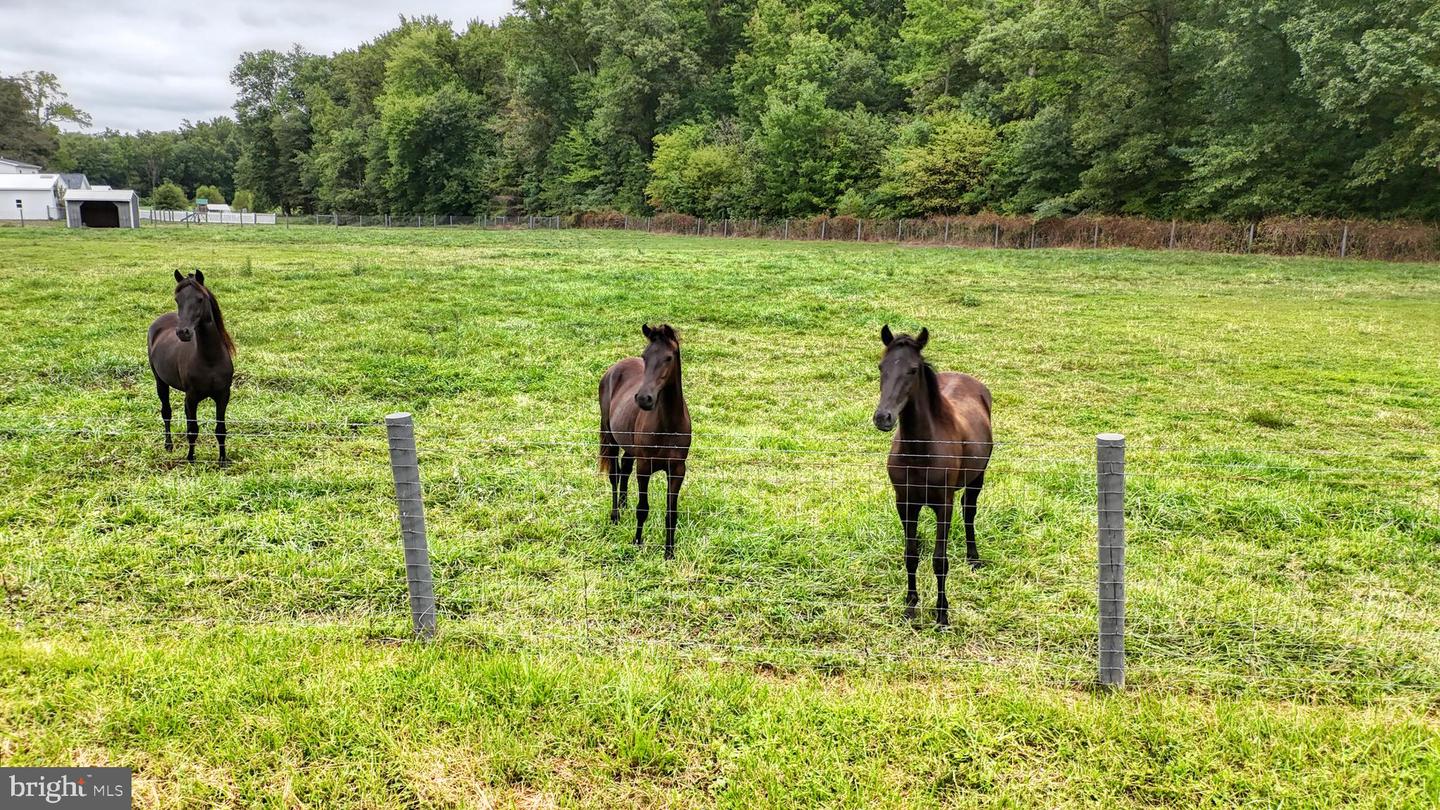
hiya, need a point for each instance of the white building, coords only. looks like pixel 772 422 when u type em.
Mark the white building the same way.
pixel 31 196
pixel 8 166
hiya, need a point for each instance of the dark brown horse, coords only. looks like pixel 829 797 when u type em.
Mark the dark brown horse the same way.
pixel 191 351
pixel 942 446
pixel 643 415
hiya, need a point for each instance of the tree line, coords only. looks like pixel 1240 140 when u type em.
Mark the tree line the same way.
pixel 33 105
pixel 1193 109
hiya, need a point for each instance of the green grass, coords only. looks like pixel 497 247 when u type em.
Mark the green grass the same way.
pixel 229 633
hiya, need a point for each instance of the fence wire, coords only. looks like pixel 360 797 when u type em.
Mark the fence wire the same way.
pixel 789 551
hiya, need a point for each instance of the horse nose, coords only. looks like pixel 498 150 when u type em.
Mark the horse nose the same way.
pixel 884 420
pixel 645 401
pixel 183 334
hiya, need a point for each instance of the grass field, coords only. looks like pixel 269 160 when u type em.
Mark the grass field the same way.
pixel 236 635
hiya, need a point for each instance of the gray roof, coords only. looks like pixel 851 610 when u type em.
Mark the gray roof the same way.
pixel 90 195
pixel 75 180
pixel 20 163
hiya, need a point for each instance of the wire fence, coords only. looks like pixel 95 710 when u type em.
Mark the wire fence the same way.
pixel 789 552
pixel 1285 236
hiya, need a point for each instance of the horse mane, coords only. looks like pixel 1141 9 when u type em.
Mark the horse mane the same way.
pixel 215 313
pixel 220 321
pixel 667 332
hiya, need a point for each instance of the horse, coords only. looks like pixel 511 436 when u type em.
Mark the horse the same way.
pixel 643 415
pixel 942 446
pixel 191 351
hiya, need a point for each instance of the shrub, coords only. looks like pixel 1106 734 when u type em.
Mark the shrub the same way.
pixel 211 194
pixel 244 200
pixel 169 197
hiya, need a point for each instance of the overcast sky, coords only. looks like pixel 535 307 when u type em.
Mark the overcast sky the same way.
pixel 148 64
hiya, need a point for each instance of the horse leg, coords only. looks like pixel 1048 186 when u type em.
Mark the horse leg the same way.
pixel 910 519
pixel 222 401
pixel 674 478
pixel 626 465
pixel 610 457
pixel 163 391
pixel 192 424
pixel 972 497
pixel 643 470
pixel 941 561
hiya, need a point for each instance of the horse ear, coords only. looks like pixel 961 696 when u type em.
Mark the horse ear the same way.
pixel 669 332
pixel 886 335
pixel 178 278
pixel 645 330
pixel 199 276
pixel 922 338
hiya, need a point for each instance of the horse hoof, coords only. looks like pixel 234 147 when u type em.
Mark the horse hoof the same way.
pixel 942 626
pixel 977 563
pixel 910 613
pixel 224 463
pixel 169 448
pixel 614 517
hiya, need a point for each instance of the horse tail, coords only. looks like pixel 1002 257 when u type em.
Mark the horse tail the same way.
pixel 605 459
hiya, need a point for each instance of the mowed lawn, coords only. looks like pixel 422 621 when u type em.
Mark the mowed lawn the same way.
pixel 239 636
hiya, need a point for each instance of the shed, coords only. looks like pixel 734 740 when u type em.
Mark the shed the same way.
pixel 114 208
pixel 31 196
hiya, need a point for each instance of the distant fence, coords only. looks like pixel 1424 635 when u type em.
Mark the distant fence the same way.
pixel 1401 241
pixel 175 217
pixel 1360 239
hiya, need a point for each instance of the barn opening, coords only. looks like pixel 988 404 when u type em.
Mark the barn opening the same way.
pixel 100 214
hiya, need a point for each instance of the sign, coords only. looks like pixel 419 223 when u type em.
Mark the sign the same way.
pixel 202 201
pixel 46 788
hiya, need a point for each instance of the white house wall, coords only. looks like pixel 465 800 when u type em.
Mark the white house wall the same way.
pixel 39 204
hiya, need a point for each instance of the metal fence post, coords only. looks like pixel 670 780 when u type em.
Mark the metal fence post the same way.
pixel 400 428
pixel 1110 477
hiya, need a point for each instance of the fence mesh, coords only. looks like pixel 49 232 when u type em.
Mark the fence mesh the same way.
pixel 789 552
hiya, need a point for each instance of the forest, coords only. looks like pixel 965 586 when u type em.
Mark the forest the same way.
pixel 1190 109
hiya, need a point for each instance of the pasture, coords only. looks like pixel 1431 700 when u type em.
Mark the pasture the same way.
pixel 238 636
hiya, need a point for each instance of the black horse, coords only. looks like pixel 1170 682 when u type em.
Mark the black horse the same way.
pixel 943 446
pixel 643 416
pixel 191 351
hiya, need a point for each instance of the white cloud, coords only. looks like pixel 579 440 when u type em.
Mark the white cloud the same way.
pixel 147 65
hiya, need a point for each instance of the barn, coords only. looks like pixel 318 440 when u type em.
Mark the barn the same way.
pixel 31 196
pixel 108 208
